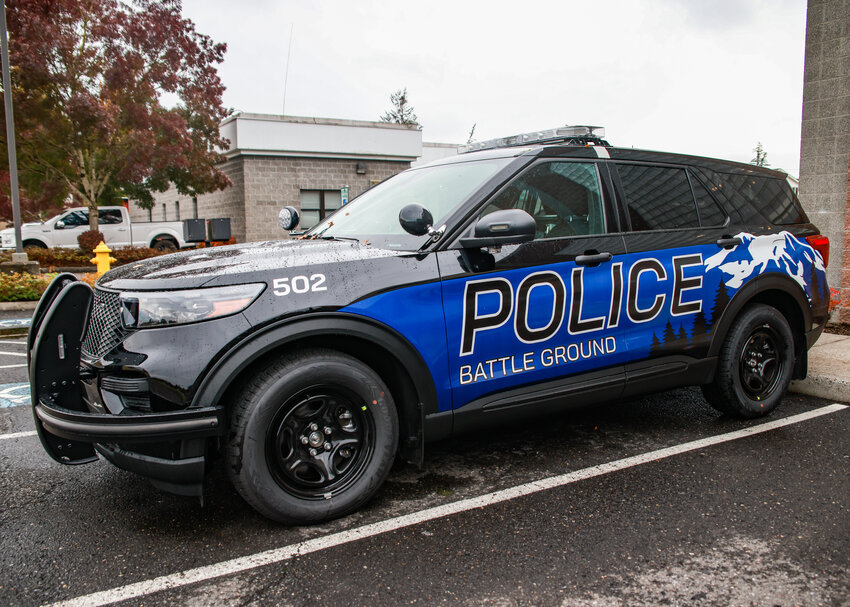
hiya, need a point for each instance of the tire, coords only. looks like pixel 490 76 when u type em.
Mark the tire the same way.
pixel 165 245
pixel 312 438
pixel 33 244
pixel 755 364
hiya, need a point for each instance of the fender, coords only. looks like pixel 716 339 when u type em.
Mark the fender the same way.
pixel 762 283
pixel 169 233
pixel 252 347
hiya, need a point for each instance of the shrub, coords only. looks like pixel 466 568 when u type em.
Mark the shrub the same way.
pixel 89 239
pixel 75 258
pixel 23 287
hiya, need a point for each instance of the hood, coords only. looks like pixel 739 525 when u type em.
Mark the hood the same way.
pixel 23 225
pixel 236 264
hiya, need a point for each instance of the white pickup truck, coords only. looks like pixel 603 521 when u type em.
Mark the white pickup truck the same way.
pixel 113 222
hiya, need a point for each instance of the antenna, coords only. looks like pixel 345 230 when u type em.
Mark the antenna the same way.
pixel 286 75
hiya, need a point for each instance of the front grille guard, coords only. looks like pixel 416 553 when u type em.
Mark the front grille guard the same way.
pixel 104 330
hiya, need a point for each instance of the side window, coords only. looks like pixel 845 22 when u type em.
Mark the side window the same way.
pixel 772 197
pixel 77 218
pixel 658 198
pixel 710 214
pixel 109 216
pixel 564 198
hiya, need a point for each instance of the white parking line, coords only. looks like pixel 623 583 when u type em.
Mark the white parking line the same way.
pixel 261 559
pixel 17 435
pixel 17 343
pixel 14 353
pixel 13 366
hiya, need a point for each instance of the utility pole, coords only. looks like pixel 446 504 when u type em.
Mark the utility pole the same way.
pixel 18 255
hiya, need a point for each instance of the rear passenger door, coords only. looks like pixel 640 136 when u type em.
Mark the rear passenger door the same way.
pixel 113 227
pixel 539 311
pixel 674 224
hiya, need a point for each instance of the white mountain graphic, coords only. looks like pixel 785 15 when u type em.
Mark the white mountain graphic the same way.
pixel 781 252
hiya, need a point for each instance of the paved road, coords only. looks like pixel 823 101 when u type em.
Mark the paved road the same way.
pixel 759 520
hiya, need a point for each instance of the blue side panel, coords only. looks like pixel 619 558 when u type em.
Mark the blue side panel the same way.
pixel 639 306
pixel 417 314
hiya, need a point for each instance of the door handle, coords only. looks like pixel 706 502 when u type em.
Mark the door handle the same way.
pixel 591 258
pixel 727 242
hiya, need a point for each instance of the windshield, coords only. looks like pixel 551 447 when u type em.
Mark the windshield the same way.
pixel 373 216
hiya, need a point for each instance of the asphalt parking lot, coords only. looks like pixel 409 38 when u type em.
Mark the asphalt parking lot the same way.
pixel 652 501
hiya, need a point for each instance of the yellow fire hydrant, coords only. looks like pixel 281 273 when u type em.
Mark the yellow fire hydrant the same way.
pixel 102 258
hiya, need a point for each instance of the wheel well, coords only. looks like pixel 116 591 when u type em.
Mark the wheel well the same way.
pixel 163 237
pixel 387 366
pixel 790 309
pixel 33 242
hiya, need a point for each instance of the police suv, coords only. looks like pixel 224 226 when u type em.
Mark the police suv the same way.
pixel 523 277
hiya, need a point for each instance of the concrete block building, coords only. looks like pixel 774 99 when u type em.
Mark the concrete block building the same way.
pixel 825 141
pixel 312 164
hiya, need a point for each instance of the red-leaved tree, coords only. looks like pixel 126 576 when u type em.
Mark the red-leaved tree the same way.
pixel 88 81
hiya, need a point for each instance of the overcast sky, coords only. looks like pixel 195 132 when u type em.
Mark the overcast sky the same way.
pixel 705 77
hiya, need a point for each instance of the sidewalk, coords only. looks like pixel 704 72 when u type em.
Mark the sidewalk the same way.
pixel 829 369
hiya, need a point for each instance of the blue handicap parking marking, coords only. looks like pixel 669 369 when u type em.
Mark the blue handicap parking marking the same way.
pixel 15 323
pixel 14 395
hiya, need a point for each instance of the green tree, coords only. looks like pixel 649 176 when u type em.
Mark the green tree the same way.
pixel 88 81
pixel 760 159
pixel 401 111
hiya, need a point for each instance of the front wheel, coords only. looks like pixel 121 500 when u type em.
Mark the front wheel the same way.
pixel 313 437
pixel 755 364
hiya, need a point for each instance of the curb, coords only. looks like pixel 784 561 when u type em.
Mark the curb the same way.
pixel 823 386
pixel 17 306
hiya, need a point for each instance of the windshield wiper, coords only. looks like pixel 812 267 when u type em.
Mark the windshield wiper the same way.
pixel 337 238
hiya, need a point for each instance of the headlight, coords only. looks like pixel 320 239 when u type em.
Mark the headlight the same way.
pixel 141 309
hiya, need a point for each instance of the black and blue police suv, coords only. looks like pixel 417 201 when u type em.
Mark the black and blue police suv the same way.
pixel 532 274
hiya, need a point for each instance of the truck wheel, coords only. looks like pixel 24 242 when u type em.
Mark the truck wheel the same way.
pixel 164 245
pixel 33 244
pixel 312 438
pixel 755 364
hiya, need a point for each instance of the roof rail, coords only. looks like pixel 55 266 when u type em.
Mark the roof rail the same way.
pixel 583 135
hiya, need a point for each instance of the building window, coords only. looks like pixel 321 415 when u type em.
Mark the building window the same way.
pixel 164 212
pixel 150 214
pixel 177 210
pixel 194 207
pixel 318 204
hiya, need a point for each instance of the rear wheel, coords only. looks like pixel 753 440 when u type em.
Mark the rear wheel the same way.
pixel 313 437
pixel 164 245
pixel 755 364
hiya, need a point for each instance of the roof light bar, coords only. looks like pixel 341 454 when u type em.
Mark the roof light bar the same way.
pixel 571 134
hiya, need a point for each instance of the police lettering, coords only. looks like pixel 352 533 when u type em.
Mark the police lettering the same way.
pixel 646 297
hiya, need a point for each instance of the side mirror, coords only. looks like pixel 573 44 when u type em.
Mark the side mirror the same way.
pixel 59 225
pixel 288 218
pixel 510 226
pixel 415 219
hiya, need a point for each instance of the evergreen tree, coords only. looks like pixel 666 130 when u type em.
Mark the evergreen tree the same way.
pixel 760 158
pixel 401 112
pixel 700 328
pixel 683 335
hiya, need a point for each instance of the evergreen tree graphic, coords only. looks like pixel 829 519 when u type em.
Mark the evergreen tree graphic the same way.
pixel 668 340
pixel 655 348
pixel 700 328
pixel 683 334
pixel 721 300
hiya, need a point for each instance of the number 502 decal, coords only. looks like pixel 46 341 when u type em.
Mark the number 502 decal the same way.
pixel 299 284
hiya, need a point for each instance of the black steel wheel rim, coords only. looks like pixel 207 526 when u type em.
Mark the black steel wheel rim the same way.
pixel 760 364
pixel 320 442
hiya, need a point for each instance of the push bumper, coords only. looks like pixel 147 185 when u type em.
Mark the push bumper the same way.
pixel 167 447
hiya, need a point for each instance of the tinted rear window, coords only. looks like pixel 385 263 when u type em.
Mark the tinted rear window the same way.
pixel 773 198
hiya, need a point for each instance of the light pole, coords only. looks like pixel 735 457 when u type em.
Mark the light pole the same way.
pixel 18 255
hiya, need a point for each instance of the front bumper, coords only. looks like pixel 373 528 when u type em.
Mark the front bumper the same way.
pixel 167 447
